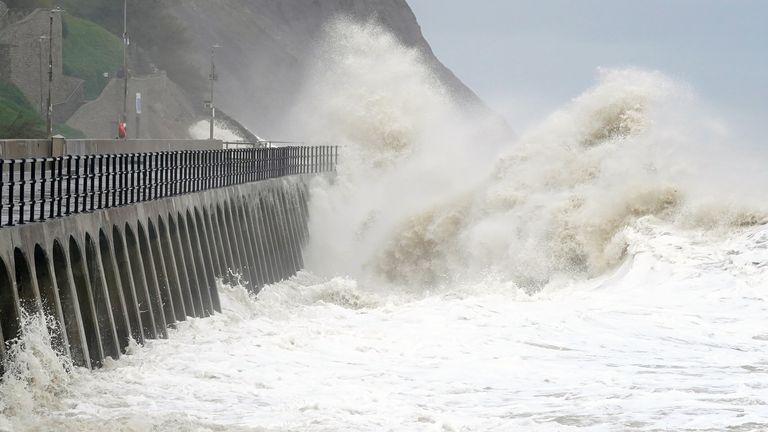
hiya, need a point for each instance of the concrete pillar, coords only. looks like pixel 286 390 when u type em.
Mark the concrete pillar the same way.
pixel 279 233
pixel 69 304
pixel 49 296
pixel 126 271
pixel 174 279
pixel 233 233
pixel 193 272
pixel 230 265
pixel 143 299
pixel 246 242
pixel 291 230
pixel 161 274
pixel 255 243
pixel 85 302
pixel 210 259
pixel 115 290
pixel 104 317
pixel 211 224
pixel 200 267
pixel 159 310
pixel 181 265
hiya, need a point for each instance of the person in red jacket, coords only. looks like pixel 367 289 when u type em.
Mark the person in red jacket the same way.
pixel 121 130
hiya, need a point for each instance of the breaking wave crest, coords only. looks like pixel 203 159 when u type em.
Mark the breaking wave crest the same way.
pixel 555 202
pixel 35 375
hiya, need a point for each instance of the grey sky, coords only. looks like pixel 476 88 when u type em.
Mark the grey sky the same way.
pixel 528 57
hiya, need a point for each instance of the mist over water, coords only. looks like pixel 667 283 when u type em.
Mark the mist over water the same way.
pixel 602 271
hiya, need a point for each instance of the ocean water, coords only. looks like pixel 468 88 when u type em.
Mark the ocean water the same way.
pixel 673 339
pixel 603 270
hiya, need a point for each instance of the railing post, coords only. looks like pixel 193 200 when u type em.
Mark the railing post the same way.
pixel 22 181
pixel 32 188
pixel 42 188
pixel 11 184
pixel 69 186
pixel 100 204
pixel 91 197
pixel 2 185
pixel 59 184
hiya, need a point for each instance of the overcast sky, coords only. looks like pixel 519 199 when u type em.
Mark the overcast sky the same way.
pixel 528 57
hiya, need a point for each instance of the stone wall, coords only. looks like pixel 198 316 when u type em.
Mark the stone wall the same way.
pixel 22 55
pixel 3 14
pixel 107 276
pixel 22 149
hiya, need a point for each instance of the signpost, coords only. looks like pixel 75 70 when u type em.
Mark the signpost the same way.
pixel 138 114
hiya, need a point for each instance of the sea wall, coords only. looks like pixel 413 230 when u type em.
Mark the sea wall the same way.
pixel 21 149
pixel 113 275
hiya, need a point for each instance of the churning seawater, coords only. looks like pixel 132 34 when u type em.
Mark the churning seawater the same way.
pixel 603 271
pixel 675 339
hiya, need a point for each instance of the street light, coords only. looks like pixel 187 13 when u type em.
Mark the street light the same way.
pixel 125 61
pixel 42 100
pixel 213 79
pixel 49 119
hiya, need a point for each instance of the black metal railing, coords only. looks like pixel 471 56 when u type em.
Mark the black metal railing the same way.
pixel 35 190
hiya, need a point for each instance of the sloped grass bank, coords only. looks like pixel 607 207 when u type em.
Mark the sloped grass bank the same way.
pixel 89 52
pixel 19 120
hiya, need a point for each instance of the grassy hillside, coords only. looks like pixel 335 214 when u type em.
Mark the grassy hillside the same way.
pixel 17 117
pixel 19 120
pixel 89 52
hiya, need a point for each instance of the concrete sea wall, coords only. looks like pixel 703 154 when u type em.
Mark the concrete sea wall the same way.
pixel 125 273
pixel 42 148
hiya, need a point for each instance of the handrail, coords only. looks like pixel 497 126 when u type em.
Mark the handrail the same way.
pixel 39 189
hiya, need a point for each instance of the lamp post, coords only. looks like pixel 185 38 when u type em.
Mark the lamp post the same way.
pixel 49 119
pixel 124 117
pixel 213 79
pixel 42 73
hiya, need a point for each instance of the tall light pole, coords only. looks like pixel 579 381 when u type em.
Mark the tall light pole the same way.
pixel 42 73
pixel 124 118
pixel 213 79
pixel 49 119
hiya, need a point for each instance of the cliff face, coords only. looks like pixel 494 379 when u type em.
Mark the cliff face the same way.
pixel 266 45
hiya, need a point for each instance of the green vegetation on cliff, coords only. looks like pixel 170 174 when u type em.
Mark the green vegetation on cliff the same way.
pixel 89 52
pixel 28 4
pixel 19 120
pixel 156 35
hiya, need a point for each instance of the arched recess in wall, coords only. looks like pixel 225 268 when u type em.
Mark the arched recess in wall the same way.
pixel 246 244
pixel 9 319
pixel 209 259
pixel 236 237
pixel 203 282
pixel 267 216
pixel 168 256
pixel 265 249
pixel 49 298
pixel 215 243
pixel 195 279
pixel 24 284
pixel 140 287
pixel 116 300
pixel 101 300
pixel 228 264
pixel 181 266
pixel 161 273
pixel 85 303
pixel 68 306
pixel 127 284
pixel 257 246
